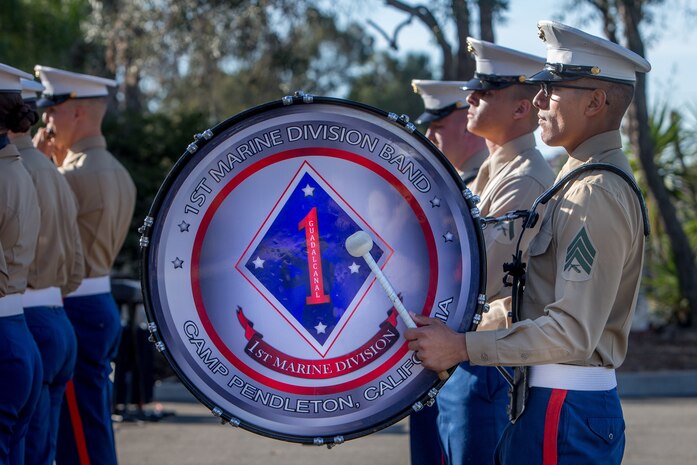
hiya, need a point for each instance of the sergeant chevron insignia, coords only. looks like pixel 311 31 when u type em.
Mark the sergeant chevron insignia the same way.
pixel 580 254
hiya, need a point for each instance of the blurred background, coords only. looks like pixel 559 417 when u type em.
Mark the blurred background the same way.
pixel 186 65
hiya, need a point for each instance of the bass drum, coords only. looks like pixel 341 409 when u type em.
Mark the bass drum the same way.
pixel 252 295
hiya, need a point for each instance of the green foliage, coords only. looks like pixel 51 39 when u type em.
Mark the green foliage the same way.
pixel 673 136
pixel 148 145
pixel 386 83
pixel 47 32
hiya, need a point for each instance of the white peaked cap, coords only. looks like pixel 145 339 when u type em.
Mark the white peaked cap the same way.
pixel 498 67
pixel 10 78
pixel 61 85
pixel 440 98
pixel 574 54
pixel 31 89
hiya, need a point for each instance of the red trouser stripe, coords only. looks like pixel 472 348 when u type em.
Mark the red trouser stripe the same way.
pixel 76 421
pixel 549 445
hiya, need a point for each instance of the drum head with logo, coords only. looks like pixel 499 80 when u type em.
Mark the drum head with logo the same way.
pixel 253 297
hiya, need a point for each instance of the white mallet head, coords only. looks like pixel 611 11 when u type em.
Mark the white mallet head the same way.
pixel 359 243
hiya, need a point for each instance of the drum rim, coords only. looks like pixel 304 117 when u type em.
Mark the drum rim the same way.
pixel 146 231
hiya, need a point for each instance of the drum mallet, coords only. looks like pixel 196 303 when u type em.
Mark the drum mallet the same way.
pixel 359 244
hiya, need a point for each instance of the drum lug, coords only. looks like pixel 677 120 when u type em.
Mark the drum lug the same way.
pixel 335 442
pixel 477 319
pixel 207 134
pixel 192 148
pixel 234 422
pixel 417 407
pixel 468 195
pixel 307 98
pixel 318 441
pixel 433 393
pixel 287 100
pixel 152 327
pixel 145 240
pixel 160 346
pixel 481 300
pixel 475 212
pixel 404 119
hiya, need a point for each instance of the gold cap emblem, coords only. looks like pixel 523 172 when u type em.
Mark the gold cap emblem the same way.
pixel 522 78
pixel 470 48
pixel 595 70
pixel 459 104
pixel 414 88
pixel 541 33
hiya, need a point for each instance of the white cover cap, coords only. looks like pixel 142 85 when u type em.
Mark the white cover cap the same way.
pixel 440 98
pixel 9 78
pixel 498 67
pixel 61 85
pixel 31 89
pixel 574 54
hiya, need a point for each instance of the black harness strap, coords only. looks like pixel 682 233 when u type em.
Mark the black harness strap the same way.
pixel 515 270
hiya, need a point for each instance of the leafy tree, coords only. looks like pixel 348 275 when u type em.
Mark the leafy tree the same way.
pixel 625 17
pixel 386 83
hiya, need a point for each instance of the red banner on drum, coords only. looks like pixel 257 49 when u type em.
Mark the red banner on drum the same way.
pixel 275 360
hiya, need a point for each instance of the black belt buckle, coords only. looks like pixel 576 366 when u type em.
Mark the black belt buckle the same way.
pixel 518 393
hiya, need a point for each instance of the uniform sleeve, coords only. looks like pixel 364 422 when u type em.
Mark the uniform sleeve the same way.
pixel 592 237
pixel 76 270
pixel 517 193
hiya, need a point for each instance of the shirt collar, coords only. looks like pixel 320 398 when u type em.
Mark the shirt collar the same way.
pixel 88 143
pixel 510 150
pixel 9 151
pixel 595 148
pixel 23 142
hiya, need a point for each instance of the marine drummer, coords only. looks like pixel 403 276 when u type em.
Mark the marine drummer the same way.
pixel 472 404
pixel 75 105
pixel 445 113
pixel 583 272
pixel 20 362
pixel 57 270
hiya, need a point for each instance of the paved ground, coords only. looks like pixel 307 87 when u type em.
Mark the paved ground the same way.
pixel 659 430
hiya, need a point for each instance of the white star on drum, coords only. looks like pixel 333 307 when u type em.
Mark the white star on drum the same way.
pixel 354 267
pixel 309 191
pixel 258 263
pixel 320 328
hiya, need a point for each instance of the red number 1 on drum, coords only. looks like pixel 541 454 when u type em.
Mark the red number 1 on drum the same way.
pixel 314 259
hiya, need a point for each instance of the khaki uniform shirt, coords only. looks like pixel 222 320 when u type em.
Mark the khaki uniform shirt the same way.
pixel 59 261
pixel 468 171
pixel 106 197
pixel 583 274
pixel 510 179
pixel 19 222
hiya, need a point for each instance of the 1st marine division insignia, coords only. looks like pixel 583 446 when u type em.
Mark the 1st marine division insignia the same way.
pixel 258 305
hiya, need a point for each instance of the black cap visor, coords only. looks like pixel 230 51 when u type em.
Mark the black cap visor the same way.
pixel 48 100
pixel 430 115
pixel 490 81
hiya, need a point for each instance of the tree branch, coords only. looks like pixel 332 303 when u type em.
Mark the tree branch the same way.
pixel 426 17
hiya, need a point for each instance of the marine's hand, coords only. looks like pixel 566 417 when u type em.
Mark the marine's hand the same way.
pixel 437 346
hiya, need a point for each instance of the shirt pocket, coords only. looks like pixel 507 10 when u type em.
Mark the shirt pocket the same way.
pixel 540 243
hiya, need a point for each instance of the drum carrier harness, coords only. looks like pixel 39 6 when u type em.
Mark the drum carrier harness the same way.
pixel 515 270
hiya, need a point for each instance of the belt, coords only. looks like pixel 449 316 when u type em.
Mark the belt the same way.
pixel 47 297
pixel 11 305
pixel 92 286
pixel 572 377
